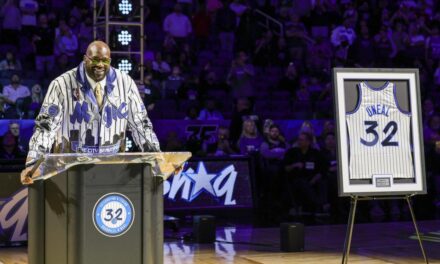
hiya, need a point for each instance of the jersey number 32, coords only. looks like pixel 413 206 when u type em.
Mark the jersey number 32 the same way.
pixel 390 130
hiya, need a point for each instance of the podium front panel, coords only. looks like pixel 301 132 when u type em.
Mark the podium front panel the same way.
pixel 106 213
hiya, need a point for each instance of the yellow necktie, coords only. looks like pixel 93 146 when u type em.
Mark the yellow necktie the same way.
pixel 98 94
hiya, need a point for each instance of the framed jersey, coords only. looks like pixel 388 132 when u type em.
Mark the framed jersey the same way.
pixel 380 139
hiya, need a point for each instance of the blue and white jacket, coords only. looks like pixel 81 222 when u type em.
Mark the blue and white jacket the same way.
pixel 70 120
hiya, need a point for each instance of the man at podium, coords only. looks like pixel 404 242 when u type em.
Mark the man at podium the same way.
pixel 87 110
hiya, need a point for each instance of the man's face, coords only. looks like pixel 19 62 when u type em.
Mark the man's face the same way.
pixel 42 19
pixel 8 141
pixel 223 134
pixel 15 129
pixel 303 141
pixel 15 79
pixel 97 61
pixel 242 57
pixel 274 133
pixel 249 127
pixel 330 141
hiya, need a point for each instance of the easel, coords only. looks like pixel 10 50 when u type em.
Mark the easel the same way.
pixel 351 217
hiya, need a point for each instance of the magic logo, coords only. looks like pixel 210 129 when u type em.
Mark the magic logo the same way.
pixel 81 113
pixel 192 184
pixel 13 217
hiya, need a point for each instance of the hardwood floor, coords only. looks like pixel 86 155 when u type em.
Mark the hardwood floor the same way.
pixel 372 243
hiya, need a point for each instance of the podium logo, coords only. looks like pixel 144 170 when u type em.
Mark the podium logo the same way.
pixel 113 214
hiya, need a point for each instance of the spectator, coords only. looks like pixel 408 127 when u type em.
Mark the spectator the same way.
pixel 432 130
pixel 432 44
pixel 178 26
pixel 192 113
pixel 320 56
pixel 327 128
pixel 190 89
pixel 187 6
pixel 73 25
pixel 304 168
pixel 290 81
pixel 338 208
pixel 15 97
pixel 170 46
pixel 240 77
pixel 173 84
pixel 226 24
pixel 21 142
pixel 416 42
pixel 363 49
pixel 9 149
pixel 210 112
pixel 208 80
pixel 250 140
pixel 37 100
pixel 213 6
pixel 344 34
pixel 433 177
pixel 245 32
pixel 43 41
pixel 239 8
pixel 281 52
pixel 436 77
pixel 151 92
pixel 274 147
pixel 85 34
pixel 9 65
pixel 11 23
pixel 297 38
pixel 400 39
pixel 61 65
pixel 243 110
pixel 67 42
pixel 384 47
pixel 222 146
pixel 202 25
pixel 160 67
pixel 428 110
pixel 272 152
pixel 303 93
pixel 184 60
pixel 173 143
pixel 29 9
pixel 264 49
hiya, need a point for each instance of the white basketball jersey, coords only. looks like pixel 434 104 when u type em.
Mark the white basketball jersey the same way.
pixel 379 135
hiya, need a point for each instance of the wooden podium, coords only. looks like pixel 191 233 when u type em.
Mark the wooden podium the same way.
pixel 96 209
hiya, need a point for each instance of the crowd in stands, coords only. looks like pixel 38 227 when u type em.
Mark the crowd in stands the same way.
pixel 212 60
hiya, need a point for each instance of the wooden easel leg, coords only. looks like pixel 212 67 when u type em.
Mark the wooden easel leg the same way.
pixel 349 233
pixel 408 200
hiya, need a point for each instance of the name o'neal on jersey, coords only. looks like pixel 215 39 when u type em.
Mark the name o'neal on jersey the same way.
pixel 378 109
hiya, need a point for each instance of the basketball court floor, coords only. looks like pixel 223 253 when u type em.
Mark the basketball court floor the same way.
pixel 377 243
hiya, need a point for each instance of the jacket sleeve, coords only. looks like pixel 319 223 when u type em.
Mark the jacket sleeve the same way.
pixel 47 123
pixel 139 123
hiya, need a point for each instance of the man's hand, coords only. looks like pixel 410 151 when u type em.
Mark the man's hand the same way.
pixel 26 176
pixel 31 171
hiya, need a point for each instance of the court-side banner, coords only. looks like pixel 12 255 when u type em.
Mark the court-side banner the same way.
pixel 380 139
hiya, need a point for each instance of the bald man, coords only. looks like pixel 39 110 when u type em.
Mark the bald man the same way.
pixel 87 110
